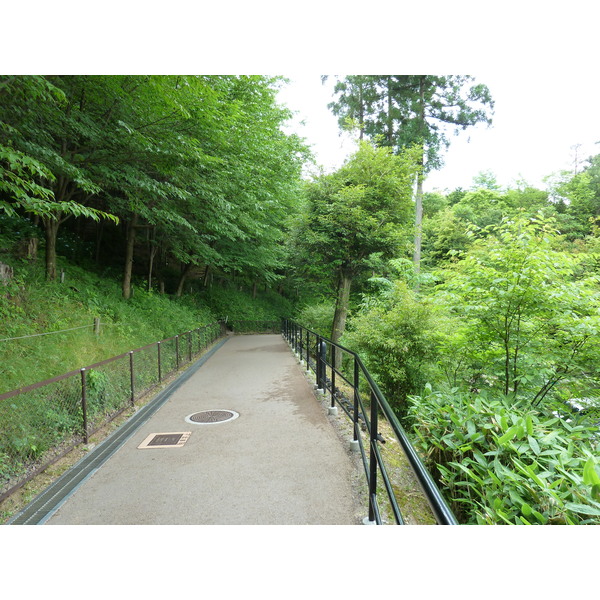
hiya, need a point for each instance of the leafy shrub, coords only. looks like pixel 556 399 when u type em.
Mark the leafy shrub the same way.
pixel 396 337
pixel 505 463
pixel 529 314
pixel 318 317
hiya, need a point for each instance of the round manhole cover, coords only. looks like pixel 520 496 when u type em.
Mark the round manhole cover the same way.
pixel 211 417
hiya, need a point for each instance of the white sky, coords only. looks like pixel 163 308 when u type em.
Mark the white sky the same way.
pixel 538 119
pixel 539 58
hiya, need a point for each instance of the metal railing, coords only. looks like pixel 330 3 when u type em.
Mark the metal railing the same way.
pixel 40 423
pixel 338 370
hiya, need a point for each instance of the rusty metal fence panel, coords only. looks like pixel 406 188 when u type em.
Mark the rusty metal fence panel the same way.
pixel 41 422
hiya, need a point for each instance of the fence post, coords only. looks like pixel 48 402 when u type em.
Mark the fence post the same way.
pixel 189 346
pixel 372 458
pixel 97 325
pixel 177 352
pixel 159 363
pixel 84 405
pixel 131 377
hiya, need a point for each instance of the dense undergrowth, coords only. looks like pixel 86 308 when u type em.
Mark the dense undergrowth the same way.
pixel 31 305
pixel 491 364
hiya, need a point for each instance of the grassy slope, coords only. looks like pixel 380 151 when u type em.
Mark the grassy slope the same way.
pixel 30 305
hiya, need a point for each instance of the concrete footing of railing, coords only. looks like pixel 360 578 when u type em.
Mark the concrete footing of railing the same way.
pixel 332 410
pixel 367 522
pixel 354 445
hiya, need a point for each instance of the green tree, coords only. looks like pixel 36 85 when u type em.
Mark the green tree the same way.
pixel 42 173
pixel 531 312
pixel 422 110
pixel 361 209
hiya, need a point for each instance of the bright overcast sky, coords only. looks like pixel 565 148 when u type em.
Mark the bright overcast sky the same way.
pixel 537 121
pixel 538 57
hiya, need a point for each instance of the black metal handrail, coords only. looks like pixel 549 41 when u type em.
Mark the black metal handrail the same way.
pixel 321 353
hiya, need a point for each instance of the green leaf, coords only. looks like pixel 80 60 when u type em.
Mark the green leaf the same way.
pixel 529 424
pixel 590 475
pixel 540 517
pixel 471 428
pixel 533 444
pixel 509 435
pixel 582 508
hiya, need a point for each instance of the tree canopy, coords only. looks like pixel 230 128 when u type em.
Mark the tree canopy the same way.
pixel 201 161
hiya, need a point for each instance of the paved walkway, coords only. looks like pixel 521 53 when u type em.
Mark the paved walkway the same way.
pixel 280 462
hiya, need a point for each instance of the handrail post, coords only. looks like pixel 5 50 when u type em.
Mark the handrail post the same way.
pixel 333 408
pixel 84 405
pixel 307 350
pixel 356 392
pixel 321 365
pixel 177 352
pixel 373 458
pixel 318 363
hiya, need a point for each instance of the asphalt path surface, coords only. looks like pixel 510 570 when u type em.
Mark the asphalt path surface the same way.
pixel 279 461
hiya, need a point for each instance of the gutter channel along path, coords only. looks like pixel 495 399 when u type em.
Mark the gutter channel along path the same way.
pixel 275 460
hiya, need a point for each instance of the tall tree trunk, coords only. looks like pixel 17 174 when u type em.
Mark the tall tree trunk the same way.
pixel 361 111
pixel 390 120
pixel 51 227
pixel 341 310
pixel 130 244
pixel 420 176
pixel 418 219
pixel 341 306
pixel 186 270
pixel 153 248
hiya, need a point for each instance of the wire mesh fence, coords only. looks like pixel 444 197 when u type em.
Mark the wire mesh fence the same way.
pixel 39 423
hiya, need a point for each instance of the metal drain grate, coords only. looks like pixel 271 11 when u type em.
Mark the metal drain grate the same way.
pixel 211 417
pixel 166 440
